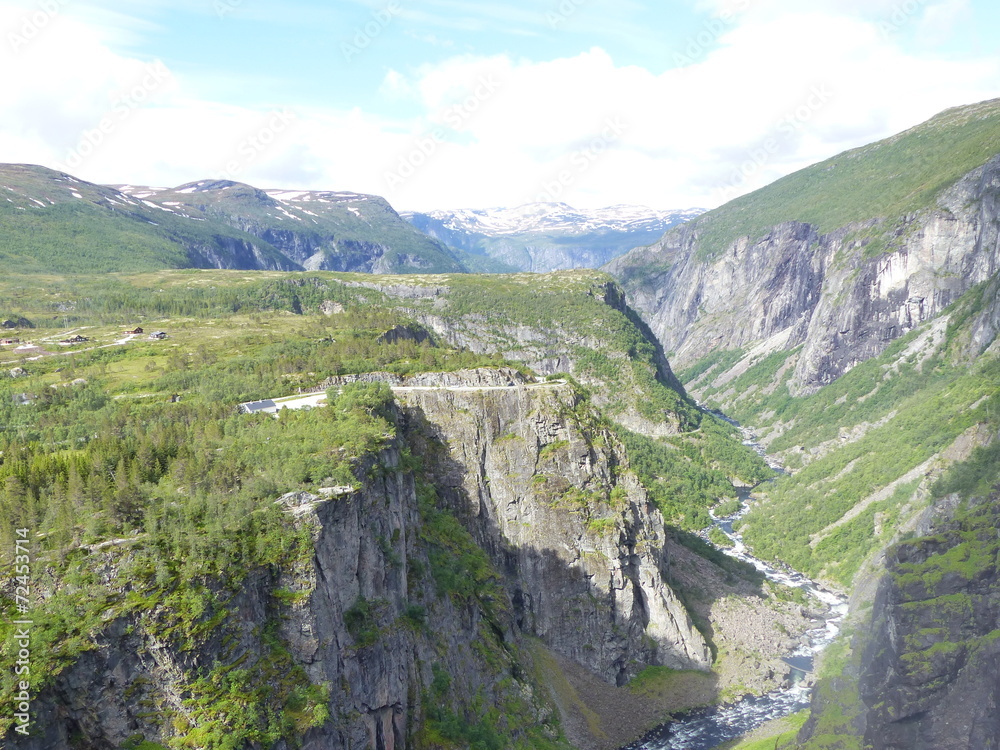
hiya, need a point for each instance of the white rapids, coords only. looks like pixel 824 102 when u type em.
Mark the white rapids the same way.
pixel 709 727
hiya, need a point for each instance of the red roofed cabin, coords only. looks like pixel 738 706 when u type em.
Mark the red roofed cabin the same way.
pixel 134 331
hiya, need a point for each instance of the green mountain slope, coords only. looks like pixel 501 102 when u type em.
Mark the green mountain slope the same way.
pixel 885 180
pixel 892 496
pixel 863 451
pixel 317 230
pixel 51 222
pixel 840 259
pixel 923 634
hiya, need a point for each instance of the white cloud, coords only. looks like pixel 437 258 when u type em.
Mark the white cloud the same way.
pixel 940 19
pixel 796 86
pixel 801 86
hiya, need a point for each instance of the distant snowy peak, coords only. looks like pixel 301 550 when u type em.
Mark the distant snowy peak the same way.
pixel 545 237
pixel 221 187
pixel 308 196
pixel 558 218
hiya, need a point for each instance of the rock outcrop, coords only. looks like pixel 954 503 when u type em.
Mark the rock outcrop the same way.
pixel 637 364
pixel 932 652
pixel 581 546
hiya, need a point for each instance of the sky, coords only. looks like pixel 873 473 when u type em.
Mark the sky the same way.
pixel 441 104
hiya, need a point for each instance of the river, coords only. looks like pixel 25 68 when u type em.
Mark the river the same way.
pixel 709 727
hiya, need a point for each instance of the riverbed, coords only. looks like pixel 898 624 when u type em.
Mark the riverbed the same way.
pixel 709 727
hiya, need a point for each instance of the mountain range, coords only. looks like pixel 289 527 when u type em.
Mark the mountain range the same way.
pixel 544 237
pixel 53 222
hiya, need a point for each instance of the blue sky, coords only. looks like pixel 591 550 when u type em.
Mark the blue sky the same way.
pixel 314 42
pixel 447 104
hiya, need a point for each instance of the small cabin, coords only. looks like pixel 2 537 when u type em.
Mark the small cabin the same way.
pixel 133 332
pixel 9 342
pixel 158 335
pixel 78 339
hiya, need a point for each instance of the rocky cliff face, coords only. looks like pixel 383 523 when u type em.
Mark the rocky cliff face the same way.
pixel 345 626
pixel 842 295
pixel 312 251
pixel 932 652
pixel 236 254
pixel 581 547
pixel 421 590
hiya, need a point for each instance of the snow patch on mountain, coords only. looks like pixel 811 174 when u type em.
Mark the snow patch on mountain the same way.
pixel 550 236
pixel 559 218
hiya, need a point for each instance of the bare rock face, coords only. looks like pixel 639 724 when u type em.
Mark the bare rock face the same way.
pixel 581 546
pixel 327 307
pixel 839 297
pixel 479 377
pixel 931 656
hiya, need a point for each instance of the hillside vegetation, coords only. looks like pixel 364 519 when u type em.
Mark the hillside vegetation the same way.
pixel 151 501
pixel 864 451
pixel 883 181
pixel 52 222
